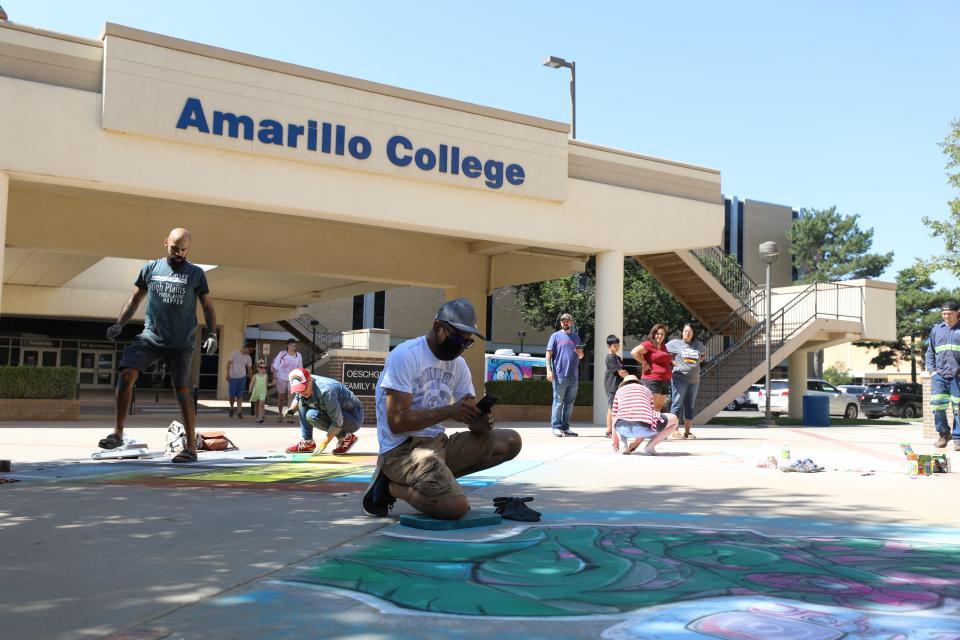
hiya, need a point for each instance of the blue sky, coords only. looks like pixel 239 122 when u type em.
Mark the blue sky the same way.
pixel 809 104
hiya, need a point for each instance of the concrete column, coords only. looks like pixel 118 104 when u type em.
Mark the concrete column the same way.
pixel 798 382
pixel 475 361
pixel 4 198
pixel 608 318
pixel 231 317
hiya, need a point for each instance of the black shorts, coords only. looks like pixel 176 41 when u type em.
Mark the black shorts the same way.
pixel 610 395
pixel 140 354
pixel 661 387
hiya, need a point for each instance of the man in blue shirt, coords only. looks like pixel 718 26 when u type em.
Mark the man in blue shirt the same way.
pixel 564 353
pixel 328 405
pixel 943 361
pixel 172 287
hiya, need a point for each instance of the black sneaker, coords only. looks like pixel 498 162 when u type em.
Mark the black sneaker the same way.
pixel 942 441
pixel 377 500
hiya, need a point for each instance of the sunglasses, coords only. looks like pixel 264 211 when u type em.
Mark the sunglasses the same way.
pixel 458 337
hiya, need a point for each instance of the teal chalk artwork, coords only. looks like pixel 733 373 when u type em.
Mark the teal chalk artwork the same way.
pixel 585 570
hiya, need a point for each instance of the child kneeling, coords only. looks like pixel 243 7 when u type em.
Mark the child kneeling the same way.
pixel 635 418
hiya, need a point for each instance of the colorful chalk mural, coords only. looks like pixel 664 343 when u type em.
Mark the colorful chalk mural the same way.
pixel 604 570
pixel 514 367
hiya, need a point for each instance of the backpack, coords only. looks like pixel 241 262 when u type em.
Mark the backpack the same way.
pixel 176 438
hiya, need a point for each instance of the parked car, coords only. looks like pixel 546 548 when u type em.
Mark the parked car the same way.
pixel 841 404
pixel 738 403
pixel 852 389
pixel 898 399
pixel 753 395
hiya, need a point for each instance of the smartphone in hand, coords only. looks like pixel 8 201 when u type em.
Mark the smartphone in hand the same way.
pixel 486 403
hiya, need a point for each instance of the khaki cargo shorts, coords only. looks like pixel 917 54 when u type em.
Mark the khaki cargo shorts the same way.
pixel 431 465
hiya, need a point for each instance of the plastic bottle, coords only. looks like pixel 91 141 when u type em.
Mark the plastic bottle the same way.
pixel 785 453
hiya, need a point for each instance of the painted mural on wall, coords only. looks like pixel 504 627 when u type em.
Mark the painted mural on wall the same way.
pixel 831 584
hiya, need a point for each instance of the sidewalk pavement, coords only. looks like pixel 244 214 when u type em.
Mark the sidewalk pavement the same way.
pixel 689 543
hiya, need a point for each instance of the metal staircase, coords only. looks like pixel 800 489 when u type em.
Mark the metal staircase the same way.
pixel 305 327
pixel 732 367
pixel 709 283
pixel 715 289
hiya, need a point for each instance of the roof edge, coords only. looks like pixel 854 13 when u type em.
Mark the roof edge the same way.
pixel 227 55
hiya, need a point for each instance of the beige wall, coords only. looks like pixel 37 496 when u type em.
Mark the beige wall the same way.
pixel 284 230
pixel 763 221
pixel 856 360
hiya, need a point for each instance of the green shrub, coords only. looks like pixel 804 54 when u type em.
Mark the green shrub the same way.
pixel 38 382
pixel 534 392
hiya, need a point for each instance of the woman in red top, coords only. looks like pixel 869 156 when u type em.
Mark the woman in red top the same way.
pixel 657 364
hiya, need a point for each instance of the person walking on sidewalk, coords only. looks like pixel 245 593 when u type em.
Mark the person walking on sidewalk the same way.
pixel 259 384
pixel 943 362
pixel 328 405
pixel 172 286
pixel 285 362
pixel 564 353
pixel 239 369
pixel 424 382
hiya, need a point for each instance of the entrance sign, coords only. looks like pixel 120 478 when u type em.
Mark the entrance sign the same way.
pixel 361 377
pixel 203 96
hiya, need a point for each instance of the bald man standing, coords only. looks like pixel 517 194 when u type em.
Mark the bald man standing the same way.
pixel 172 287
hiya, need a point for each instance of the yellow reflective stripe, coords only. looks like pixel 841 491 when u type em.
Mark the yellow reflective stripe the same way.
pixel 947 347
pixel 940 396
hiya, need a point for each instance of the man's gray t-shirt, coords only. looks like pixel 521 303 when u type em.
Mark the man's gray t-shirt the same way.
pixel 170 319
pixel 686 359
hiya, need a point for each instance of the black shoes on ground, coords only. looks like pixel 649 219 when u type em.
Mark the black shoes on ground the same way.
pixel 516 509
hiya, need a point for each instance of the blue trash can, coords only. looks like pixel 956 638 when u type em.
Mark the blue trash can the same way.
pixel 816 411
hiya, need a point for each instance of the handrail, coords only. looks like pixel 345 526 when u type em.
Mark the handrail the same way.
pixel 750 349
pixel 727 271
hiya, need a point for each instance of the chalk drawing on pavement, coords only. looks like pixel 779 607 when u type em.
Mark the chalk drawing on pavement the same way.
pixel 633 572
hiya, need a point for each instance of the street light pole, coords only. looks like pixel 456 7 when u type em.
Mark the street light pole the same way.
pixel 556 63
pixel 522 335
pixel 768 253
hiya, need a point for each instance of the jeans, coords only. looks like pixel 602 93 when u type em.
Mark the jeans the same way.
pixel 684 397
pixel 945 392
pixel 564 395
pixel 309 418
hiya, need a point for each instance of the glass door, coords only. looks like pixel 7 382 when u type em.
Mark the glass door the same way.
pixel 39 358
pixel 96 369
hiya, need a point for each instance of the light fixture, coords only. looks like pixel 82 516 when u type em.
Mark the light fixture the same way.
pixel 556 63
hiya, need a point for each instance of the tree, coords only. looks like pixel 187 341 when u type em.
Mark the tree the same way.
pixel 949 229
pixel 829 246
pixel 645 303
pixel 918 308
pixel 836 374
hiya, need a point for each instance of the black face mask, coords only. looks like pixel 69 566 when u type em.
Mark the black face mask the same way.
pixel 450 348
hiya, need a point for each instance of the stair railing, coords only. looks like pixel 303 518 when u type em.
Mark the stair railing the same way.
pixel 749 350
pixel 727 271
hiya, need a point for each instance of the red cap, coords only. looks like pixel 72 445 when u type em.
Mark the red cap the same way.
pixel 298 380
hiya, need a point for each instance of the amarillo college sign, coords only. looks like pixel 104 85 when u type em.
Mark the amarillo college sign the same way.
pixel 328 138
pixel 361 377
pixel 170 90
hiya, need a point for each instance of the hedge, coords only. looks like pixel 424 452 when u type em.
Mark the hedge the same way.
pixel 38 383
pixel 534 392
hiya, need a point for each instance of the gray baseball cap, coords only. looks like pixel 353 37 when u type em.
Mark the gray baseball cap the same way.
pixel 460 314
